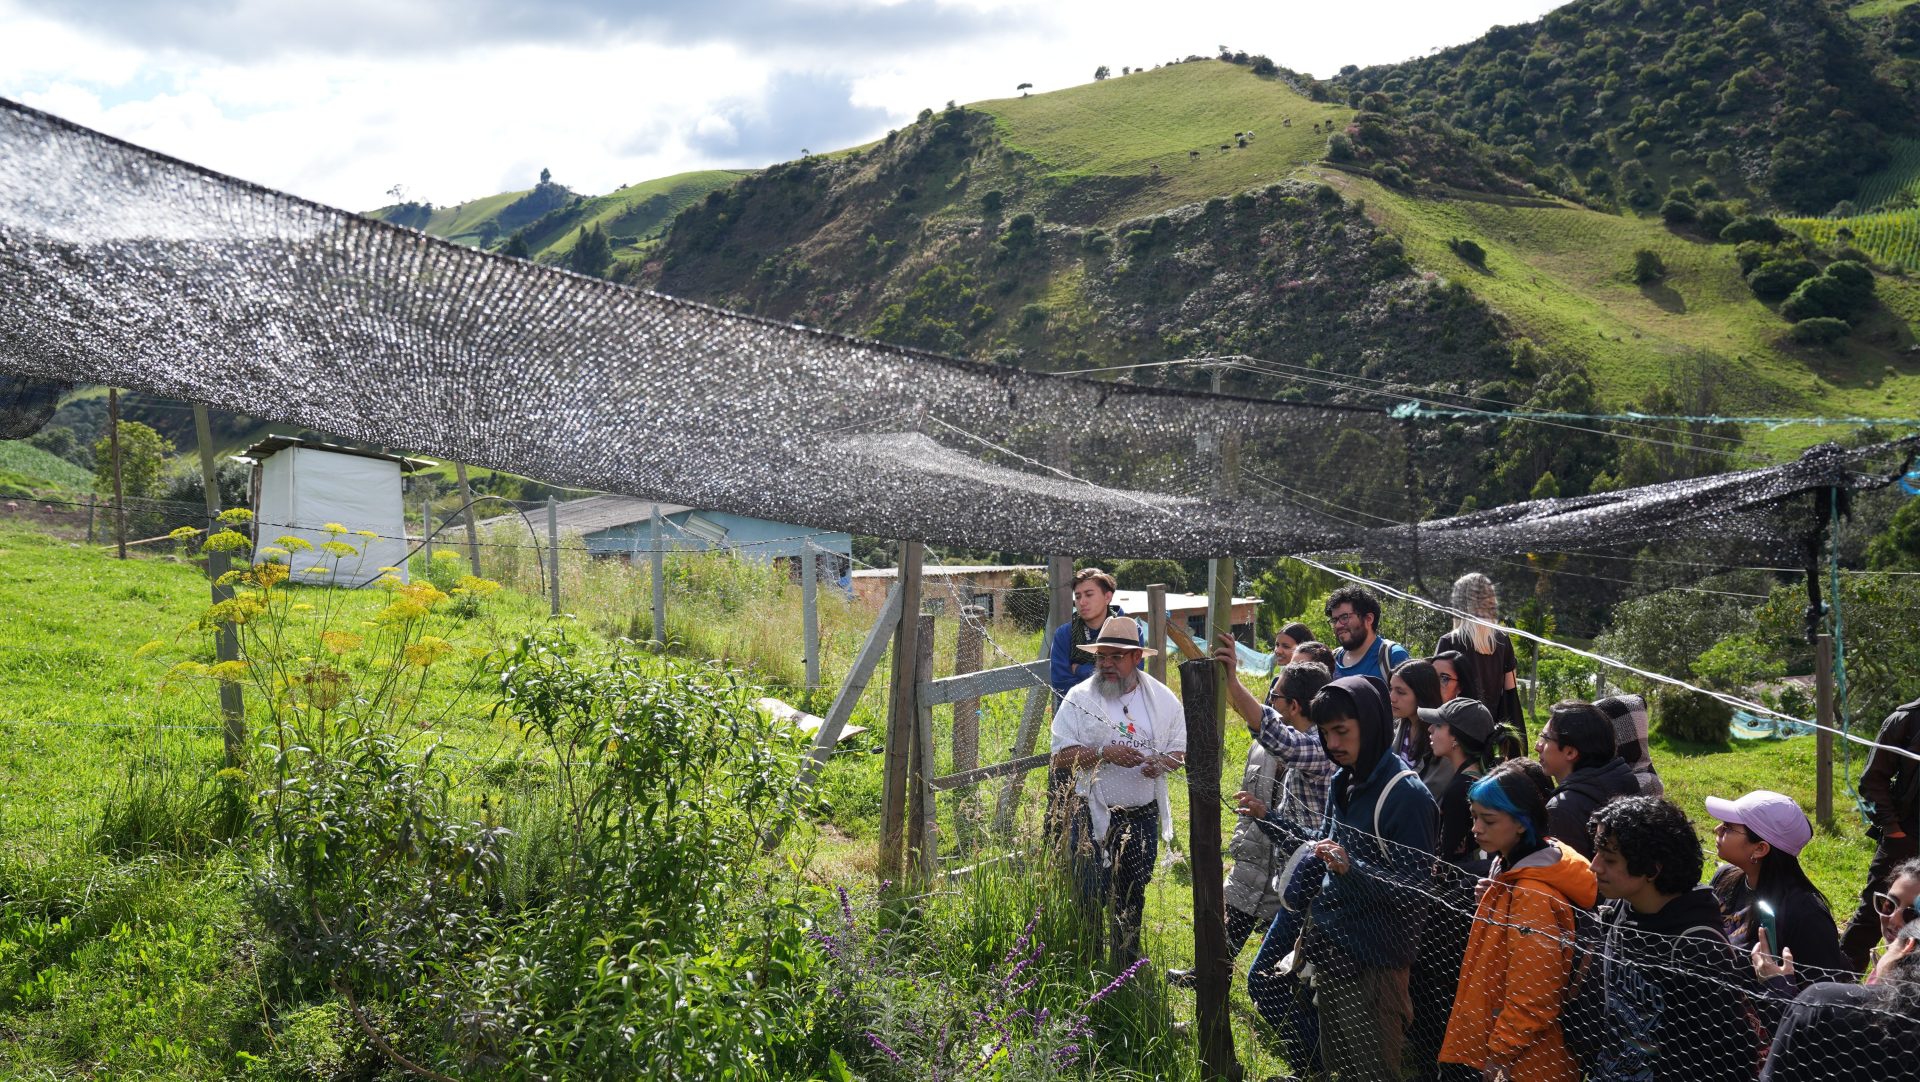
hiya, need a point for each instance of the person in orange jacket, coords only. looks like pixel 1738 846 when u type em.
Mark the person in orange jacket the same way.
pixel 1520 953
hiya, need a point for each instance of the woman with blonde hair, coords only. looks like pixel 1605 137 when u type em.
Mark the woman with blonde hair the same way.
pixel 1488 651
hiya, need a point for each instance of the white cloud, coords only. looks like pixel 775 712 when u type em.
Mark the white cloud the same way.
pixel 604 99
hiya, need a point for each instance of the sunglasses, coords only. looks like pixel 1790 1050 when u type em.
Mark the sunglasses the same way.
pixel 1888 906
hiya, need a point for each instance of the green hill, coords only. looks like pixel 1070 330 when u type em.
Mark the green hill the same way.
pixel 547 218
pixel 24 467
pixel 1610 100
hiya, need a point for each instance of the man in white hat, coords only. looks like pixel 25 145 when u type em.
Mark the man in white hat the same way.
pixel 1120 733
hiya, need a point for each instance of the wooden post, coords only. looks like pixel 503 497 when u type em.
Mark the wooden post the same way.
pixel 466 509
pixel 119 497
pixel 226 639
pixel 922 849
pixel 426 521
pixel 1059 611
pixel 659 581
pixel 967 653
pixel 1828 716
pixel 91 501
pixel 810 613
pixel 1157 631
pixel 902 715
pixel 553 552
pixel 1204 698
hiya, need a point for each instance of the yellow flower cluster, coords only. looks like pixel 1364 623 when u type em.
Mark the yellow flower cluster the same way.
pixel 340 642
pixel 429 649
pixel 226 541
pixel 411 601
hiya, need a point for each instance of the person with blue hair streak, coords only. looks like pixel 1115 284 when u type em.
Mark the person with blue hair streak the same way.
pixel 1520 953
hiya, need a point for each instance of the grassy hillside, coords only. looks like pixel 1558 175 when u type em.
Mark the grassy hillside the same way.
pixel 1874 9
pixel 25 461
pixel 1891 236
pixel 547 218
pixel 1132 126
pixel 1561 274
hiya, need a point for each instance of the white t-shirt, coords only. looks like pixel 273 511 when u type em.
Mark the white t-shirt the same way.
pixel 1093 721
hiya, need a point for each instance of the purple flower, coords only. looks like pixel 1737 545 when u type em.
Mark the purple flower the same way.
pixel 1114 985
pixel 846 906
pixel 881 1047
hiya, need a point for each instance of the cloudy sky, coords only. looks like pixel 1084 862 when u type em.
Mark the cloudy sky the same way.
pixel 454 99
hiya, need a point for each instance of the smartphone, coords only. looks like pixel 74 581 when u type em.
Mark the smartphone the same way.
pixel 1769 923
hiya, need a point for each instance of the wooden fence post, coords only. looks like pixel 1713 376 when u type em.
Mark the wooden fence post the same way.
pixel 426 521
pixel 226 639
pixel 659 581
pixel 466 509
pixel 902 715
pixel 922 847
pixel 1829 718
pixel 1157 631
pixel 1203 696
pixel 810 613
pixel 967 657
pixel 553 552
pixel 1059 610
pixel 91 501
pixel 119 497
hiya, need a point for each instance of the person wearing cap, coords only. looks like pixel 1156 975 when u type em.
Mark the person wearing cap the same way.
pixel 1120 734
pixel 1890 787
pixel 1577 746
pixel 1461 733
pixel 1773 911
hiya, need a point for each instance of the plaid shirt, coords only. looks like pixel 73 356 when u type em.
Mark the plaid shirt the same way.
pixel 1309 771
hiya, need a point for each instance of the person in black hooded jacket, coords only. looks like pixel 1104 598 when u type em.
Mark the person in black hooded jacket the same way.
pixel 1671 979
pixel 1577 748
pixel 1854 1032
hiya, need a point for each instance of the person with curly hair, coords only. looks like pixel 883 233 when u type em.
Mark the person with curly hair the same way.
pixel 1664 963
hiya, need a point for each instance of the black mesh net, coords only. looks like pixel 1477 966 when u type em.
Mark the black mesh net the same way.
pixel 130 268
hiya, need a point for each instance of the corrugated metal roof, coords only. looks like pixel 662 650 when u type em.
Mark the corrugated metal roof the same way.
pixel 266 448
pixel 596 513
pixel 948 570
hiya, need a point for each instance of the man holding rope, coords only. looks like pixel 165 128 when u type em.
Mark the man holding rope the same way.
pixel 1120 734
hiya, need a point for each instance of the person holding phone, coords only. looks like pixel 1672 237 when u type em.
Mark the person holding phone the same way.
pixel 1773 911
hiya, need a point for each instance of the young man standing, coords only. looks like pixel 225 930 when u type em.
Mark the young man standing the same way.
pixel 1355 615
pixel 1577 747
pixel 1891 786
pixel 1663 953
pixel 1119 734
pixel 1364 925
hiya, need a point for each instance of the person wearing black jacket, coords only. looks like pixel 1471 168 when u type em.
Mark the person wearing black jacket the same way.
pixel 1663 953
pixel 1854 1032
pixel 1577 748
pixel 1774 912
pixel 1891 787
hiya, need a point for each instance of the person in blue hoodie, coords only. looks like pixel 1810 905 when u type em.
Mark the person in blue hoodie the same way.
pixel 1378 844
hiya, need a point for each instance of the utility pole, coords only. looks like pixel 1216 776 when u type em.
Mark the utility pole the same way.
pixel 119 499
pixel 226 641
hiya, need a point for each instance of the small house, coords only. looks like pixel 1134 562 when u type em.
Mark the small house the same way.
pixel 621 528
pixel 1190 611
pixel 945 587
pixel 300 486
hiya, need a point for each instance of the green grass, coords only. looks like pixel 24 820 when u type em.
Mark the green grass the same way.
pixel 1126 125
pixel 1888 236
pixel 33 464
pixel 1900 175
pixel 1561 275
pixel 1874 9
pixel 627 214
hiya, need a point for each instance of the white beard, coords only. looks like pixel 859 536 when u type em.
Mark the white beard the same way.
pixel 1114 686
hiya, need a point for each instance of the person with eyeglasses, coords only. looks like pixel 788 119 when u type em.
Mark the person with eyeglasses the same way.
pixel 1355 615
pixel 1854 1032
pixel 1898 905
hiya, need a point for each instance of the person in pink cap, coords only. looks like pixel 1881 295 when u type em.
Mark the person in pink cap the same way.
pixel 1773 911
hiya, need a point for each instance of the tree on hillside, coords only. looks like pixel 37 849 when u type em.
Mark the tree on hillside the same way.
pixel 546 176
pixel 143 458
pixel 590 251
pixel 516 246
pixel 1101 72
pixel 1648 266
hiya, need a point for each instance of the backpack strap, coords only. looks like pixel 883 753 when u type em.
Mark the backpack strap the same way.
pixel 1380 803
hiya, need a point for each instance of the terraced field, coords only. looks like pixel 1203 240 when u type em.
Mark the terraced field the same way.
pixel 1890 237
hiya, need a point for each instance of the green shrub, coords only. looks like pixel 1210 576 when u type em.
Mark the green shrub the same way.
pixel 1753 227
pixel 1648 266
pixel 1677 212
pixel 1468 250
pixel 1689 716
pixel 1140 574
pixel 1820 330
pixel 1027 603
pixel 1777 278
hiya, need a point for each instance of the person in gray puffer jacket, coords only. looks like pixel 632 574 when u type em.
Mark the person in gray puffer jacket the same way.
pixel 1252 899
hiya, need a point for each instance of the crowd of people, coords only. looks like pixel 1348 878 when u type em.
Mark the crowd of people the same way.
pixel 1436 905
